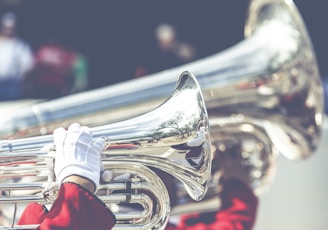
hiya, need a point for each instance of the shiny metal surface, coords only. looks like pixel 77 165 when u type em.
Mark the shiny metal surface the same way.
pixel 258 83
pixel 264 95
pixel 174 138
pixel 271 75
pixel 269 82
pixel 298 198
pixel 146 191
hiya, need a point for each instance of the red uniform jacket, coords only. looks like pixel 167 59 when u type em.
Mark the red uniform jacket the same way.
pixel 77 209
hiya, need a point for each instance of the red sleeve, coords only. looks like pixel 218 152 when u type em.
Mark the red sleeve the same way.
pixel 74 209
pixel 238 211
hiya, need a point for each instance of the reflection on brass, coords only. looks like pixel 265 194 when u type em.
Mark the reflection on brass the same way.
pixel 263 97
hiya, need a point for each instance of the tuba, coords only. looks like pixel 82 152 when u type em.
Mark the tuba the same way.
pixel 269 79
pixel 173 138
pixel 263 96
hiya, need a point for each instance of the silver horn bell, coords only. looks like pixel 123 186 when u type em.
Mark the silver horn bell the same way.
pixel 264 97
pixel 173 138
pixel 267 87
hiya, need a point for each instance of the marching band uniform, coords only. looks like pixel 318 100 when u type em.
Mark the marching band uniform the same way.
pixel 74 209
pixel 77 208
pixel 238 211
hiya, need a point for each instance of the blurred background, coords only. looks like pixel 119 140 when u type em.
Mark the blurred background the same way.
pixel 118 39
pixel 107 42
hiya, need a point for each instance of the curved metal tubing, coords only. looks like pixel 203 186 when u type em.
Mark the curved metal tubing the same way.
pixel 266 90
pixel 271 75
pixel 159 138
pixel 143 182
pixel 173 138
pixel 269 80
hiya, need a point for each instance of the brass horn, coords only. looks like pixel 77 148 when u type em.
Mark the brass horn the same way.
pixel 265 89
pixel 272 75
pixel 173 138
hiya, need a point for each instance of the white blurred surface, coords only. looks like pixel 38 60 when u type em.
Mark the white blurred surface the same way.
pixel 8 106
pixel 298 198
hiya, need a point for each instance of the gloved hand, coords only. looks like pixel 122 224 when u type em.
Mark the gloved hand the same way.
pixel 77 154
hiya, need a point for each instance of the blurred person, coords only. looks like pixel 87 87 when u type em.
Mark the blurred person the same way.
pixel 169 44
pixel 78 169
pixel 16 59
pixel 170 51
pixel 80 69
pixel 57 71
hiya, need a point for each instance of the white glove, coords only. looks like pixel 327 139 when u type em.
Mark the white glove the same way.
pixel 76 154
